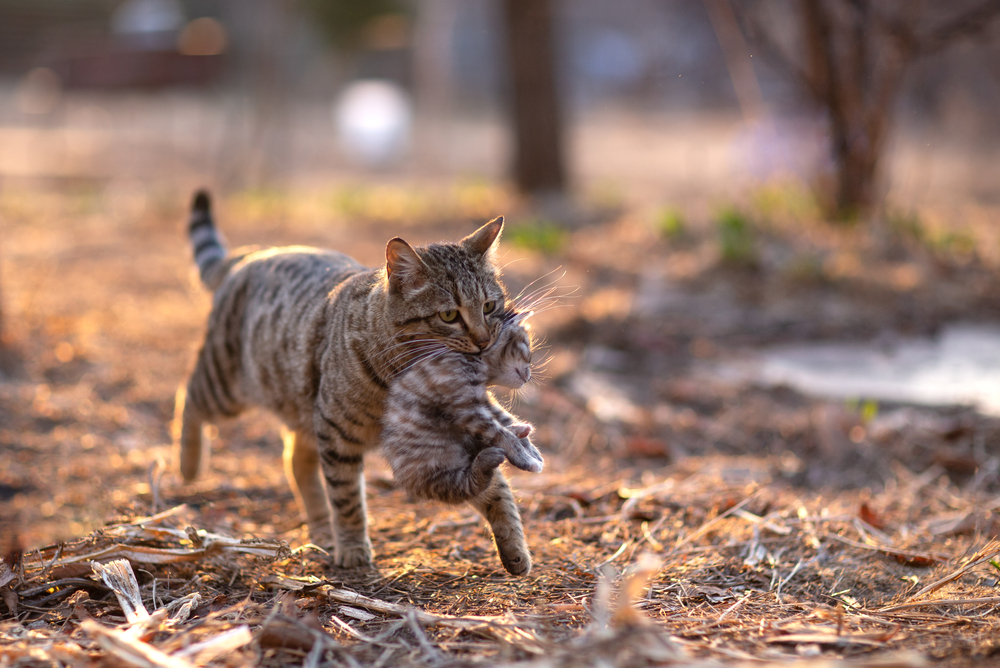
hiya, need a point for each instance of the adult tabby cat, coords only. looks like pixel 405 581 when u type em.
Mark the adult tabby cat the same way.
pixel 444 435
pixel 316 338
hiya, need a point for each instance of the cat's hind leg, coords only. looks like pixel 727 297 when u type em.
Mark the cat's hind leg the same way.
pixel 497 505
pixel 306 479
pixel 188 437
pixel 453 485
pixel 209 395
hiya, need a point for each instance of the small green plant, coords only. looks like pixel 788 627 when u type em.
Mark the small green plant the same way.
pixel 957 242
pixel 540 235
pixel 670 224
pixel 869 411
pixel 736 238
pixel 867 408
pixel 908 225
pixel 785 199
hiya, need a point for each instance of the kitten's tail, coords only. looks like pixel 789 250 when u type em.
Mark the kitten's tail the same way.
pixel 209 248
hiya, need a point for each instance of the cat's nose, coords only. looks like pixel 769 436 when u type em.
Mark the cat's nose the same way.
pixel 483 343
pixel 524 374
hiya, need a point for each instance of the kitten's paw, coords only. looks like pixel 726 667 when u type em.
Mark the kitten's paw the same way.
pixel 355 555
pixel 524 455
pixel 487 460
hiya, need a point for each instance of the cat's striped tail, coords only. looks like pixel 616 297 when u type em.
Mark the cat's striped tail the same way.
pixel 206 242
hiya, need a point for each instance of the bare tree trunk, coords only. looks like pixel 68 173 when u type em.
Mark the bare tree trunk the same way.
pixel 538 127
pixel 857 94
pixel 856 52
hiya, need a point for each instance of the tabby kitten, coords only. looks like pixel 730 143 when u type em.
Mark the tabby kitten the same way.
pixel 315 337
pixel 443 433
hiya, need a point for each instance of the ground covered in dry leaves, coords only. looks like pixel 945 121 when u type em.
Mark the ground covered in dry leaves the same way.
pixel 680 520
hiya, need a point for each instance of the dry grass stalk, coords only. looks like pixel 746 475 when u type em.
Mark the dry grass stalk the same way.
pixel 205 651
pixel 988 552
pixel 118 575
pixel 130 650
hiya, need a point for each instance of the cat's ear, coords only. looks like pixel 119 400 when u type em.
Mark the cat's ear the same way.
pixel 484 240
pixel 403 265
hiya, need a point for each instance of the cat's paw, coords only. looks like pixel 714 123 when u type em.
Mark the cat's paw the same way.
pixel 523 454
pixel 321 533
pixel 354 555
pixel 514 556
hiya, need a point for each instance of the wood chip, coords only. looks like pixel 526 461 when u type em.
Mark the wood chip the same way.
pixel 130 650
pixel 357 613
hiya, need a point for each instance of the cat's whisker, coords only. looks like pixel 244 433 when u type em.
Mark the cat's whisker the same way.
pixel 408 343
pixel 543 276
pixel 544 302
pixel 556 294
pixel 507 264
pixel 550 294
pixel 429 345
pixel 395 361
pixel 539 311
pixel 428 357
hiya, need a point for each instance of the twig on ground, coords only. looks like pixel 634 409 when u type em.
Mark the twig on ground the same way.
pixel 988 552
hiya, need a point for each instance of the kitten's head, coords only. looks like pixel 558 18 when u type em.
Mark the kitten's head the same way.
pixel 508 362
pixel 447 292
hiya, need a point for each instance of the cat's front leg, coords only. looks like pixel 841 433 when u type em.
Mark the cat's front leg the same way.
pixel 497 505
pixel 343 469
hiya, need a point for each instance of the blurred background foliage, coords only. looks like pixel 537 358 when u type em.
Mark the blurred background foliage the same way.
pixel 553 99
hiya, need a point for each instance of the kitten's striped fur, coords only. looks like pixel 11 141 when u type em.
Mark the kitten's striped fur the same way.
pixel 444 435
pixel 315 337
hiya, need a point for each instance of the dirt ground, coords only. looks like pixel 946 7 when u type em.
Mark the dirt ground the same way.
pixel 679 519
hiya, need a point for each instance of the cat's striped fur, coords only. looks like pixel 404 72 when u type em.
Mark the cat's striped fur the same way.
pixel 315 337
pixel 444 435
pixel 439 416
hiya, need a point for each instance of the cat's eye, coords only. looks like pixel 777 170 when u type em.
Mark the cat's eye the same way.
pixel 490 306
pixel 448 316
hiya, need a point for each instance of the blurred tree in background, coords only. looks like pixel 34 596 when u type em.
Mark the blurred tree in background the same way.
pixel 539 166
pixel 851 56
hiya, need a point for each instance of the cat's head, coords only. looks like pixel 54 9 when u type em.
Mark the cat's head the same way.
pixel 447 292
pixel 509 361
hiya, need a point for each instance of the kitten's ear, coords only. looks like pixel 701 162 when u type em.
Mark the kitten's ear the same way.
pixel 519 318
pixel 483 241
pixel 403 265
